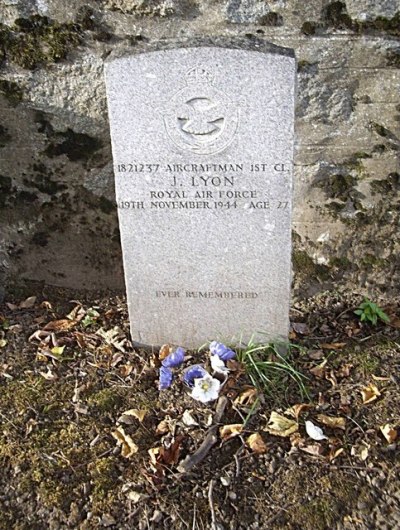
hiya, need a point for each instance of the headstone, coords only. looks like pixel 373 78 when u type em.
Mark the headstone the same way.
pixel 202 138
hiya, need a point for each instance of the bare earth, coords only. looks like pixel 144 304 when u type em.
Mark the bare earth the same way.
pixel 71 458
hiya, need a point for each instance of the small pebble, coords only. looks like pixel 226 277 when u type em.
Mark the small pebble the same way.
pixel 225 481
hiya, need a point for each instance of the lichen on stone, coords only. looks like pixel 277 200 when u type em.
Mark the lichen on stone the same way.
pixel 37 41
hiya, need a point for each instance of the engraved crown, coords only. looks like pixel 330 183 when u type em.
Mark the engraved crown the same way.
pixel 198 75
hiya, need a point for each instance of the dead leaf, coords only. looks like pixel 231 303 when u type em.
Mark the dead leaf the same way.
pixel 333 422
pixel 28 303
pixel 297 409
pixel 334 453
pixel 163 427
pixel 165 350
pixel 170 455
pixel 320 370
pixel 247 397
pixel 227 432
pixel 314 449
pixel 114 337
pixel 300 328
pixel 59 325
pixel 188 419
pixel 316 355
pixel 49 376
pixel 333 345
pixel 370 393
pixel 128 446
pixel 378 378
pixel 3 343
pixel 389 432
pixel 127 416
pixel 77 313
pixel 344 370
pixel 279 425
pixel 125 369
pixel 330 376
pixel 256 443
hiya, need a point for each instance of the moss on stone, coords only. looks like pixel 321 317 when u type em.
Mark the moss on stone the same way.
pixel 340 262
pixel 11 91
pixel 389 185
pixel 76 146
pixel 4 136
pixel 37 41
pixel 393 58
pixel 106 206
pixel 309 27
pixel 304 265
pixel 271 19
pixel 335 16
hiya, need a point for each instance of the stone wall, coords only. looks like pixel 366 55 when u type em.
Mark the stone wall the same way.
pixel 58 221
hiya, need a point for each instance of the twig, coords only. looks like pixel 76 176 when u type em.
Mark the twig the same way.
pixel 214 525
pixel 198 456
pixel 209 441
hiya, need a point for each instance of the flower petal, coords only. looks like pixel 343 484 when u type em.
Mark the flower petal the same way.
pixel 166 378
pixel 218 365
pixel 196 371
pixel 174 359
pixel 223 352
pixel 206 389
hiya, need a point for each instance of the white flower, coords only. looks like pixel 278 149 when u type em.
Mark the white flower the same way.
pixel 205 389
pixel 218 365
pixel 315 432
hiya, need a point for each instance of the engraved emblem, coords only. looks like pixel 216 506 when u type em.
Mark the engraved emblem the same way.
pixel 199 117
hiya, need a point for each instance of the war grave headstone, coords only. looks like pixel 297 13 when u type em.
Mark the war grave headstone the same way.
pixel 202 139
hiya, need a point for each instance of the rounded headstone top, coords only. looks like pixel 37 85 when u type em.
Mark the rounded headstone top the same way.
pixel 235 43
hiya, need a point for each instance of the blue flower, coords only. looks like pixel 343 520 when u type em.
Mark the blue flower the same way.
pixel 194 372
pixel 223 352
pixel 174 359
pixel 166 377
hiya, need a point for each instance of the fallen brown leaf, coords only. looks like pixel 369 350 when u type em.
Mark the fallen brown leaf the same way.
pixel 59 325
pixel 28 303
pixel 333 422
pixel 297 409
pixel 256 443
pixel 333 345
pixel 227 432
pixel 320 370
pixel 369 393
pixel 128 446
pixel 165 350
pixel 247 397
pixel 279 425
pixel 334 453
pixel 389 432
pixel 314 449
pixel 138 414
pixel 344 370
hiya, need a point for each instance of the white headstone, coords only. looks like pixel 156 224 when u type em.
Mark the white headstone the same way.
pixel 202 140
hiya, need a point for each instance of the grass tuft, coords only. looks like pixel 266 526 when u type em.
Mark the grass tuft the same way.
pixel 273 372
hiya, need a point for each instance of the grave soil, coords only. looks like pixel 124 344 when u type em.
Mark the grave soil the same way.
pixel 68 373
